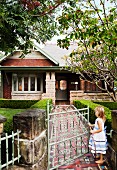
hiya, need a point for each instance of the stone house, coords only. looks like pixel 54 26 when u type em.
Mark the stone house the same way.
pixel 40 75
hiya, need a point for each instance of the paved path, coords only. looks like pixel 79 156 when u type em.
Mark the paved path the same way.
pixel 86 162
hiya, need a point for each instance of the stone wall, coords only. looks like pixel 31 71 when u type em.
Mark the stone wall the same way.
pixel 26 96
pixel 78 95
pixel 33 138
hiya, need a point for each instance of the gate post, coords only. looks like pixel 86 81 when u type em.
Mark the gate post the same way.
pixel 114 139
pixel 48 108
pixel 2 120
pixel 33 138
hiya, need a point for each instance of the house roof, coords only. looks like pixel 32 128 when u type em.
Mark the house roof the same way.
pixel 37 49
pixel 58 53
pixel 45 68
pixel 46 54
pixel 52 52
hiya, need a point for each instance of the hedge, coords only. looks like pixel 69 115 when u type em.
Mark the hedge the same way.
pixel 16 104
pixel 42 104
pixel 110 105
pixel 84 103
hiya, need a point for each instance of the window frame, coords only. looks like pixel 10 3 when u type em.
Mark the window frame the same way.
pixel 29 79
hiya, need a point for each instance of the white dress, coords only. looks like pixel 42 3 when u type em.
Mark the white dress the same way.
pixel 98 141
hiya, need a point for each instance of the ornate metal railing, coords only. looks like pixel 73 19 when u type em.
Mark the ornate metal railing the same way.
pixel 67 134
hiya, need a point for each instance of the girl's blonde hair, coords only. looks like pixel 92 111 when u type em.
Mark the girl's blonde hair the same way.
pixel 100 111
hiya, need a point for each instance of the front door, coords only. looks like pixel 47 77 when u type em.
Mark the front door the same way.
pixel 61 89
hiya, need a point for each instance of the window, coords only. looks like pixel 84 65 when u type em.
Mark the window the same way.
pixel 26 83
pixel 19 83
pixel 32 84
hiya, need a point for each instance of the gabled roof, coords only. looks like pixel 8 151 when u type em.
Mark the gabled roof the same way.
pixel 46 54
pixel 51 51
pixel 4 57
pixel 58 53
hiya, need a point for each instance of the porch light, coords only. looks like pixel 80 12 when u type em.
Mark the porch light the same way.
pixel 76 85
pixel 2 120
pixel 76 82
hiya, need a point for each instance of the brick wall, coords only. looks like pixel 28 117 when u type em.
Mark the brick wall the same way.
pixel 27 62
pixel 7 88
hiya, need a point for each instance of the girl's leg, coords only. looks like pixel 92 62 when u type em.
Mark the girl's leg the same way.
pixel 100 161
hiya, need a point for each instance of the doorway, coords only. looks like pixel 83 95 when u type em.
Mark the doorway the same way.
pixel 61 89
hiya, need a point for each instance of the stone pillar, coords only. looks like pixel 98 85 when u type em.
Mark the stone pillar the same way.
pixel 50 85
pixel 33 138
pixel 3 144
pixel 2 120
pixel 114 139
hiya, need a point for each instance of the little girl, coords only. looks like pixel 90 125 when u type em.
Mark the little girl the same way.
pixel 98 140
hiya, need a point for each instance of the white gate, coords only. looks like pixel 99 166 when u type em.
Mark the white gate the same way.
pixel 68 134
pixel 4 140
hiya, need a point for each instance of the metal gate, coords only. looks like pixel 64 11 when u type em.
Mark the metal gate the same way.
pixel 68 134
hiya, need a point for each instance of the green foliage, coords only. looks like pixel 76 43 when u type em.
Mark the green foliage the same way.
pixel 93 26
pixel 110 105
pixel 8 126
pixel 22 104
pixel 16 104
pixel 84 103
pixel 24 20
pixel 42 104
pixel 21 21
pixel 9 113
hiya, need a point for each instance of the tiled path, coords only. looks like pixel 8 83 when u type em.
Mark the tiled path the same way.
pixel 86 162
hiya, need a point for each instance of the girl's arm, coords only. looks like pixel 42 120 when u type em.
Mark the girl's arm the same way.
pixel 99 128
pixel 91 125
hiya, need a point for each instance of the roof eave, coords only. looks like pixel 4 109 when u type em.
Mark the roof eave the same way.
pixel 47 68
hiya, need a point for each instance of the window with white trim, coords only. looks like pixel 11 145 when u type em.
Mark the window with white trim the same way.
pixel 26 83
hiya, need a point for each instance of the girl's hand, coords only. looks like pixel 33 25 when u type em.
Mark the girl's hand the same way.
pixel 92 131
pixel 89 124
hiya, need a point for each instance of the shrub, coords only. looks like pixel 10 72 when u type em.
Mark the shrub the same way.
pixel 84 103
pixel 110 105
pixel 8 126
pixel 42 104
pixel 16 104
pixel 9 113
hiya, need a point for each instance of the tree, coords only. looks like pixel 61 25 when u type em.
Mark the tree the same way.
pixel 24 20
pixel 93 25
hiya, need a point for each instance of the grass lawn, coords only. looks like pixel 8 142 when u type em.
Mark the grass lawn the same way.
pixel 9 113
